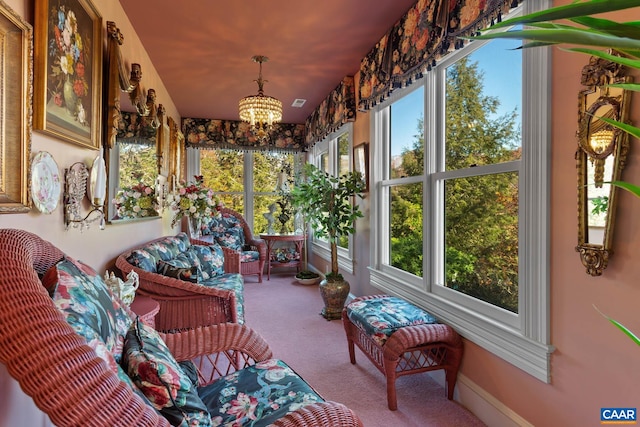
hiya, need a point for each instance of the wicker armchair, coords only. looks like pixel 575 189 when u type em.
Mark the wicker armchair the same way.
pixel 183 304
pixel 72 385
pixel 248 264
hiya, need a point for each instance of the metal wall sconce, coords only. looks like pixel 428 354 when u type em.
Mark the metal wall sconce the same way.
pixel 75 190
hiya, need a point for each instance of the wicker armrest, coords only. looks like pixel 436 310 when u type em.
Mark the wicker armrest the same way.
pixel 260 246
pixel 231 260
pixel 187 345
pixel 323 414
pixel 218 350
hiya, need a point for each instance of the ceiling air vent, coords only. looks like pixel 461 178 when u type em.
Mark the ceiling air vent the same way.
pixel 298 103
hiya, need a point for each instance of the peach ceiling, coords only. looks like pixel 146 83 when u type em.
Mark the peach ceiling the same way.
pixel 202 49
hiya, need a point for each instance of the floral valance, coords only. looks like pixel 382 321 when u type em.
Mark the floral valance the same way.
pixel 234 134
pixel 337 109
pixel 426 33
pixel 136 129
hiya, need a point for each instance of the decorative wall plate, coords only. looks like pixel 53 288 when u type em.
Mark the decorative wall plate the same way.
pixel 45 182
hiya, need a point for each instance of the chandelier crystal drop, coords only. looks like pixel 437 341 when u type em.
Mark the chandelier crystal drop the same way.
pixel 260 111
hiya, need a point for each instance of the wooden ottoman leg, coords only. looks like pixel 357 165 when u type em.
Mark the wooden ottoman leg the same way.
pixel 390 374
pixel 346 322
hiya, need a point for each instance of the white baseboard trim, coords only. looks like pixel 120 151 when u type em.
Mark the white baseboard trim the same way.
pixel 483 405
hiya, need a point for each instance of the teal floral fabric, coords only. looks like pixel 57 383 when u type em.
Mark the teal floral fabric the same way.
pixel 249 256
pixel 381 317
pixel 227 231
pixel 233 282
pixel 210 260
pixel 86 303
pixel 154 370
pixel 144 260
pixel 172 255
pixel 270 390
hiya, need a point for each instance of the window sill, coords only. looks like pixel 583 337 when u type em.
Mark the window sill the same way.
pixel 508 343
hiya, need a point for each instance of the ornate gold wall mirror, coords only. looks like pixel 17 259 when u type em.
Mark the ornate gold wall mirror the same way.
pixel 601 156
pixel 130 135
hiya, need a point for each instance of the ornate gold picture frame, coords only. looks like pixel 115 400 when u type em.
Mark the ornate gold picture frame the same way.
pixel 68 81
pixel 16 63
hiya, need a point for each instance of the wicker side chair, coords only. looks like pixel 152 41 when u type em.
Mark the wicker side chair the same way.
pixel 70 383
pixel 248 264
pixel 183 304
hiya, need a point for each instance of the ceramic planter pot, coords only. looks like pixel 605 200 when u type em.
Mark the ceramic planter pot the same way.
pixel 334 294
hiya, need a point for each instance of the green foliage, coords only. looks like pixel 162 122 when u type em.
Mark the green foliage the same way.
pixel 600 205
pixel 326 202
pixel 585 31
pixel 137 165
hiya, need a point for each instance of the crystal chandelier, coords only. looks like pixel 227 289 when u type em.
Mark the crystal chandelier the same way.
pixel 260 111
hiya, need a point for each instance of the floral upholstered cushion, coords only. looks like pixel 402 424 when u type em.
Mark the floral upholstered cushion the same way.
pixel 87 305
pixel 210 258
pixel 178 270
pixel 227 231
pixel 380 317
pixel 154 370
pixel 257 395
pixel 143 259
pixel 249 256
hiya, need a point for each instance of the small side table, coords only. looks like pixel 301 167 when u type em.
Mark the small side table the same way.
pixel 270 239
pixel 146 308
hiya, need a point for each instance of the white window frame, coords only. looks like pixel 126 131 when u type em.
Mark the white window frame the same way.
pixel 521 339
pixel 328 145
pixel 193 168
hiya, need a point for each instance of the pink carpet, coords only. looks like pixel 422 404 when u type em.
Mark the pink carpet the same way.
pixel 286 314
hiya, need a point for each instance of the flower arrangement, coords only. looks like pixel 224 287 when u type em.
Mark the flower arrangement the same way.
pixel 194 200
pixel 138 201
pixel 285 254
pixel 69 51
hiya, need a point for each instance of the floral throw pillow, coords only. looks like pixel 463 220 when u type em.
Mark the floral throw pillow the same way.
pixel 87 305
pixel 153 369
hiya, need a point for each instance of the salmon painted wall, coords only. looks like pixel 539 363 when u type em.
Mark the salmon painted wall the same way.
pixel 95 247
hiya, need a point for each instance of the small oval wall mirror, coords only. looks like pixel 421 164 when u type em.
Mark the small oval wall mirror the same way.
pixel 601 156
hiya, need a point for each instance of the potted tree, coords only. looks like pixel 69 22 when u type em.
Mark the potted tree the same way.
pixel 326 203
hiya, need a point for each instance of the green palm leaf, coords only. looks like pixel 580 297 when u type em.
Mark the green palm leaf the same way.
pixel 569 35
pixel 620 326
pixel 569 11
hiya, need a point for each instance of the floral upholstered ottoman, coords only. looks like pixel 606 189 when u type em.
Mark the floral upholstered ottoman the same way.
pixel 401 339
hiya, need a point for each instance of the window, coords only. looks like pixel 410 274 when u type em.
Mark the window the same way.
pixel 245 181
pixel 459 211
pixel 333 155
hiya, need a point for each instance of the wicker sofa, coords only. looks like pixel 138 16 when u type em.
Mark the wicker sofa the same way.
pixel 199 284
pixel 65 337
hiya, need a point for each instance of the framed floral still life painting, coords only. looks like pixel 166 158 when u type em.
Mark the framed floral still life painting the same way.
pixel 68 71
pixel 361 162
pixel 16 63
